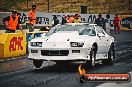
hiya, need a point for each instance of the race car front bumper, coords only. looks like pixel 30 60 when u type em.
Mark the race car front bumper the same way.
pixel 59 54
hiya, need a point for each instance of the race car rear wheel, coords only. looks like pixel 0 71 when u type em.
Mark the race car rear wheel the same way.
pixel 37 63
pixel 111 55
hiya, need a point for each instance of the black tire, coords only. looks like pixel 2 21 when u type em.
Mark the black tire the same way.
pixel 82 79
pixel 37 63
pixel 111 55
pixel 93 53
pixel 92 58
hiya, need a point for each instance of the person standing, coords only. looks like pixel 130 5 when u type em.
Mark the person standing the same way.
pixel 70 19
pixel 64 20
pixel 100 21
pixel 117 24
pixel 77 18
pixel 12 22
pixel 55 21
pixel 107 24
pixel 32 18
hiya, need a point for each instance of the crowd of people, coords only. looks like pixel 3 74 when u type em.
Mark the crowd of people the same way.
pixel 100 21
pixel 67 19
pixel 13 22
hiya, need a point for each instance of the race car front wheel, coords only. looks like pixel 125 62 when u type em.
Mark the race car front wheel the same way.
pixel 37 63
pixel 93 53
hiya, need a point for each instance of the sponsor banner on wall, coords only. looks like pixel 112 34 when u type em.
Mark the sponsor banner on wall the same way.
pixel 45 19
pixel 13 45
pixel 126 22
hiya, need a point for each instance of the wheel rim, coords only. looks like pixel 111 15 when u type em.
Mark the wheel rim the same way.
pixel 112 55
pixel 92 59
pixel 93 62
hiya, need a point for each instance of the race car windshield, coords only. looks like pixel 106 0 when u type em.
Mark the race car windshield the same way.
pixel 82 30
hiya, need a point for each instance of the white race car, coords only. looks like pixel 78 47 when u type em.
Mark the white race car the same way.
pixel 73 42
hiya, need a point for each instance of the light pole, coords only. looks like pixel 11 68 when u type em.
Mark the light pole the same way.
pixel 48 6
pixel 27 4
pixel 129 6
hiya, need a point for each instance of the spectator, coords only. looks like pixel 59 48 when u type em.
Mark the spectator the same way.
pixel 100 21
pixel 32 18
pixel 107 18
pixel 77 18
pixel 55 21
pixel 3 21
pixel 12 21
pixel 117 23
pixel 64 20
pixel 70 19
pixel 107 24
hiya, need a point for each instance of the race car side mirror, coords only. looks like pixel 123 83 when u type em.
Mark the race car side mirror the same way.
pixel 101 35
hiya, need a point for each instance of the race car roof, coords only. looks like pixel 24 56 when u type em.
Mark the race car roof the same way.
pixel 75 24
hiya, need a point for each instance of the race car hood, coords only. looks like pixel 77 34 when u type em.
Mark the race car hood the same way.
pixel 63 39
pixel 63 36
pixel 38 39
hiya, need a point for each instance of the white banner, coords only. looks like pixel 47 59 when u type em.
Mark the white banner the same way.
pixel 46 18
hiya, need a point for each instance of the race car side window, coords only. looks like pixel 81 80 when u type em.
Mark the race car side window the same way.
pixel 89 32
pixel 93 33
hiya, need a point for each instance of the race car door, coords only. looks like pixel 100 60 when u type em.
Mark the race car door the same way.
pixel 102 41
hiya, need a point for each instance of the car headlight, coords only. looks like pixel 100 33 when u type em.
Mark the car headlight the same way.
pixel 77 44
pixel 36 44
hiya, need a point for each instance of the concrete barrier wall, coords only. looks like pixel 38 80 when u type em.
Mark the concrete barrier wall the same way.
pixel 46 18
pixel 12 45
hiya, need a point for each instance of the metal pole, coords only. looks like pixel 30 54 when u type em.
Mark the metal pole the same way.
pixel 27 4
pixel 5 4
pixel 87 5
pixel 48 6
pixel 129 4
pixel 109 7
